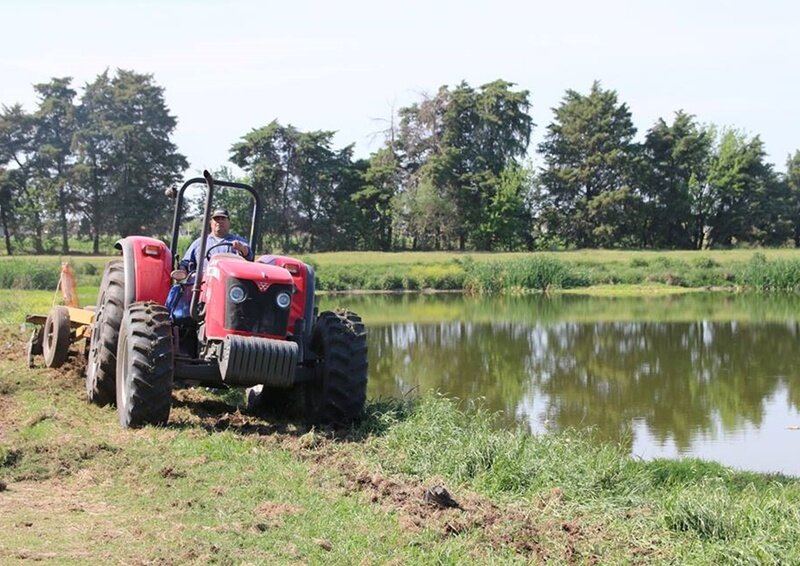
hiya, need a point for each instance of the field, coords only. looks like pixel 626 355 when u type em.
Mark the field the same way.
pixel 219 485
pixel 769 270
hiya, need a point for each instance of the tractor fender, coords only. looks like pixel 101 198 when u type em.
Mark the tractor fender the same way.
pixel 147 264
pixel 304 281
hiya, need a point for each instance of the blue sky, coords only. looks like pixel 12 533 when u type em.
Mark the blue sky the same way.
pixel 228 67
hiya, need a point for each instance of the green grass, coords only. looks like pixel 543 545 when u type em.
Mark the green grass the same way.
pixel 219 486
pixel 763 270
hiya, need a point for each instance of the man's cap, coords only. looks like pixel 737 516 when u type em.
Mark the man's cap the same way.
pixel 220 212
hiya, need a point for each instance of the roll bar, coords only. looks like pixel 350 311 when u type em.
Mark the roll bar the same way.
pixel 255 235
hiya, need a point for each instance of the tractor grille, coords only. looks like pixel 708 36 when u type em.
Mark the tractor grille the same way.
pixel 258 313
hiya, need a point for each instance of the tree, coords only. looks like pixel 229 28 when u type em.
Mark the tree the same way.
pixel 54 127
pixel 793 183
pixel 6 207
pixel 676 160
pixel 301 178
pixel 745 194
pixel 457 144
pixel 267 155
pixel 588 179
pixel 126 156
pixel 374 201
pixel 17 152
pixel 506 220
pixel 94 149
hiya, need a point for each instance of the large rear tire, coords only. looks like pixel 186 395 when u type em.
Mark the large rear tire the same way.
pixel 101 366
pixel 339 393
pixel 56 337
pixel 145 366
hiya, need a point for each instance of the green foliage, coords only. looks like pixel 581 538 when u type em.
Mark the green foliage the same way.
pixel 711 514
pixel 764 275
pixel 20 274
pixel 455 147
pixel 466 446
pixel 589 162
pixel 307 187
pixel 97 168
pixel 534 273
pixel 676 164
pixel 708 511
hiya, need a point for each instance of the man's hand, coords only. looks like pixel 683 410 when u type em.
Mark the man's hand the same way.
pixel 242 248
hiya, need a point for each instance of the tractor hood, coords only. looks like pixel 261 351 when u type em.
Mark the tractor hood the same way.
pixel 223 268
pixel 257 310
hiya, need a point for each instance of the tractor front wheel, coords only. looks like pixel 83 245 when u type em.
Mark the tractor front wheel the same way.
pixel 101 365
pixel 339 393
pixel 145 368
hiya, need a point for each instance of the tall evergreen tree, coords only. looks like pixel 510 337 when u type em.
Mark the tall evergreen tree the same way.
pixel 744 193
pixel 95 155
pixel 676 159
pixel 793 184
pixel 588 179
pixel 54 127
pixel 143 160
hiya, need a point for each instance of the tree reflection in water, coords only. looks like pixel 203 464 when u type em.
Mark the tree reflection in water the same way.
pixel 559 360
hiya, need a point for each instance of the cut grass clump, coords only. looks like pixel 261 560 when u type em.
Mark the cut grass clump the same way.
pixel 706 510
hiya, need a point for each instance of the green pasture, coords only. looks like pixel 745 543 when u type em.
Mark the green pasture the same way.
pixel 602 271
pixel 218 485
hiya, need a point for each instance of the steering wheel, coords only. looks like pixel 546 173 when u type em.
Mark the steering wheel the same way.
pixel 217 245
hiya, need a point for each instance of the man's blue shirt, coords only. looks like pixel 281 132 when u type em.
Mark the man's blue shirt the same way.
pixel 189 261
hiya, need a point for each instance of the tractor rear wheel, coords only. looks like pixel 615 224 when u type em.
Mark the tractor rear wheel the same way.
pixel 339 393
pixel 101 367
pixel 55 338
pixel 145 367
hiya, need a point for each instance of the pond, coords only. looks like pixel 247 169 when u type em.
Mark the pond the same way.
pixel 716 376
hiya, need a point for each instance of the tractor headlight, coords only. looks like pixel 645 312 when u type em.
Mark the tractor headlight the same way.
pixel 283 300
pixel 237 294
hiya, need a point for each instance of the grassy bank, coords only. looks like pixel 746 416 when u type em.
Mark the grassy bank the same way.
pixel 768 270
pixel 221 486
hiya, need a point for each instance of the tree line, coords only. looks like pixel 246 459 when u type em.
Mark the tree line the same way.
pixel 453 172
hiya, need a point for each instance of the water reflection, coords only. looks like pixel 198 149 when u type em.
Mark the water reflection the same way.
pixel 685 375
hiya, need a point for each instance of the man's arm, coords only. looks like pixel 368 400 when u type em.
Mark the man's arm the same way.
pixel 189 261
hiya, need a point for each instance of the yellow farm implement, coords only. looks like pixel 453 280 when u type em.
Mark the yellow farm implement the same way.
pixel 63 326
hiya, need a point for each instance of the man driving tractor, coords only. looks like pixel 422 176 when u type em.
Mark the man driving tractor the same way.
pixel 220 233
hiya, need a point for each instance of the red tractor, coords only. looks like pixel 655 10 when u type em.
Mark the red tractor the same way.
pixel 230 323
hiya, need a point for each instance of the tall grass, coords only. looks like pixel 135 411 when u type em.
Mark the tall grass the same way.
pixel 770 270
pixel 778 275
pixel 537 272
